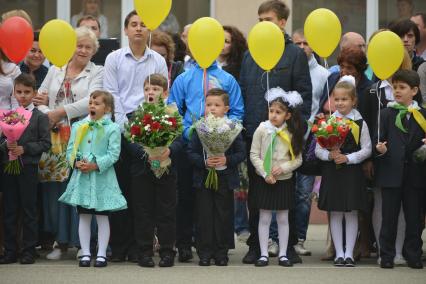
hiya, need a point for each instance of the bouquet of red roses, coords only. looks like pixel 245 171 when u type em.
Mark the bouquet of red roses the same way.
pixel 331 133
pixel 155 127
pixel 13 124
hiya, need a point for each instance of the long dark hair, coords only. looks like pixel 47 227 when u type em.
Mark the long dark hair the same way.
pixel 238 47
pixel 294 124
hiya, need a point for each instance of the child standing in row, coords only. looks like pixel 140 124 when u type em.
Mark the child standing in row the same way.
pixel 342 191
pixel 20 191
pixel 402 180
pixel 214 208
pixel 275 154
pixel 93 149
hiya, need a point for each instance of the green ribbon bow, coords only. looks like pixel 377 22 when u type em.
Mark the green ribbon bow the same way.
pixel 403 111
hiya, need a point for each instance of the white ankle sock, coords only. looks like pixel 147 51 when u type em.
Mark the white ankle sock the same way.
pixel 265 217
pixel 283 231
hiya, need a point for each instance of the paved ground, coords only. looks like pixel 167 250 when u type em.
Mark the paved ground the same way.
pixel 313 270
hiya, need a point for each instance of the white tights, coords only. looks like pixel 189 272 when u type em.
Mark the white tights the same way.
pixel 377 223
pixel 103 234
pixel 283 228
pixel 336 227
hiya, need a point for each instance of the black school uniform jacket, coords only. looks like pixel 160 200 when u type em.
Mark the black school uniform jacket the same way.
pixel 234 156
pixel 399 157
pixel 35 139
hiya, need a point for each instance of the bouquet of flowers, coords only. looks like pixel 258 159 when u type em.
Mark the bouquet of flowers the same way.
pixel 419 156
pixel 155 127
pixel 216 135
pixel 331 133
pixel 13 124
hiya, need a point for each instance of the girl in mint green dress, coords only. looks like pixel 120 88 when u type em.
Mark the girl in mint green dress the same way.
pixel 93 149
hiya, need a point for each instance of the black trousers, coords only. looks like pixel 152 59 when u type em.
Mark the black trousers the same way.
pixel 122 240
pixel 253 240
pixel 215 223
pixel 411 199
pixel 154 206
pixel 185 203
pixel 20 194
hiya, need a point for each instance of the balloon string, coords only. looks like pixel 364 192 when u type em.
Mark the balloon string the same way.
pixel 378 112
pixel 206 87
pixel 149 46
pixel 269 106
pixel 328 88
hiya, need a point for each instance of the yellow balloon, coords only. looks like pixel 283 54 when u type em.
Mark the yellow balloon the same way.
pixel 152 12
pixel 266 44
pixel 323 31
pixel 385 54
pixel 206 39
pixel 58 42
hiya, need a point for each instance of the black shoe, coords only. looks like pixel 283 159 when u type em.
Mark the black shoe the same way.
pixel 415 265
pixel 117 258
pixel 132 258
pixel 7 259
pixel 386 264
pixel 262 261
pixel 167 261
pixel 146 261
pixel 185 254
pixel 100 263
pixel 293 256
pixel 221 262
pixel 284 261
pixel 84 263
pixel 349 262
pixel 339 262
pixel 251 257
pixel 27 258
pixel 204 262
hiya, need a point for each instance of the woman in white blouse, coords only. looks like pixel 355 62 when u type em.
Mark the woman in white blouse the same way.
pixel 64 96
pixel 8 72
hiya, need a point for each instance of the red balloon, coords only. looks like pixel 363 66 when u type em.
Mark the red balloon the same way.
pixel 16 38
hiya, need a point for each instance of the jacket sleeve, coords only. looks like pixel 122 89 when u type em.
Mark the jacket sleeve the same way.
pixel 177 94
pixel 112 154
pixel 302 82
pixel 195 152
pixel 290 166
pixel 44 88
pixel 176 146
pixel 365 152
pixel 256 148
pixel 238 154
pixel 71 142
pixel 43 140
pixel 236 104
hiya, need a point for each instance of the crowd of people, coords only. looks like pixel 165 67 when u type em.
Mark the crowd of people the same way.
pixel 109 204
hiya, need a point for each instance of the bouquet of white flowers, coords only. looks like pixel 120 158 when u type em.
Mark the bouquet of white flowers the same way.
pixel 216 135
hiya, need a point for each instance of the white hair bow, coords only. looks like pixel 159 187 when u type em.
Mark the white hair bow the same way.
pixel 293 98
pixel 348 78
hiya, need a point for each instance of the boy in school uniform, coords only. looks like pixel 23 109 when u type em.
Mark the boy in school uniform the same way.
pixel 214 209
pixel 402 131
pixel 20 191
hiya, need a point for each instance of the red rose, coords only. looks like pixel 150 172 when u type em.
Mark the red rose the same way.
pixel 155 126
pixel 314 128
pixel 147 119
pixel 135 130
pixel 329 128
pixel 173 121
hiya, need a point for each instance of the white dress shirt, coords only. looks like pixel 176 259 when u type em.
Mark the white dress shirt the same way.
pixel 365 142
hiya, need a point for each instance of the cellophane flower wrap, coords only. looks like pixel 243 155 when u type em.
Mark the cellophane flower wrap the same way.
pixel 13 124
pixel 331 133
pixel 216 135
pixel 155 127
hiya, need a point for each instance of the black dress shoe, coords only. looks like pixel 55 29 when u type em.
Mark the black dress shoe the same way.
pixel 386 264
pixel 117 258
pixel 262 261
pixel 250 257
pixel 7 259
pixel 284 261
pixel 185 254
pixel 167 261
pixel 349 262
pixel 84 262
pixel 339 262
pixel 27 258
pixel 146 261
pixel 415 265
pixel 100 263
pixel 221 262
pixel 293 256
pixel 204 262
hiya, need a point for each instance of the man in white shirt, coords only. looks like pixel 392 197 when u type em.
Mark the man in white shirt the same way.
pixel 125 72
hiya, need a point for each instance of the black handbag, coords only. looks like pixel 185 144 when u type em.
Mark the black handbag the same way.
pixel 311 165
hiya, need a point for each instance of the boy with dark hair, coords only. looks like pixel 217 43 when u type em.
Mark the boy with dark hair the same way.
pixel 20 191
pixel 214 208
pixel 402 180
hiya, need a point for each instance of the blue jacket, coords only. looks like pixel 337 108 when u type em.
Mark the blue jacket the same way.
pixel 234 156
pixel 291 74
pixel 188 94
